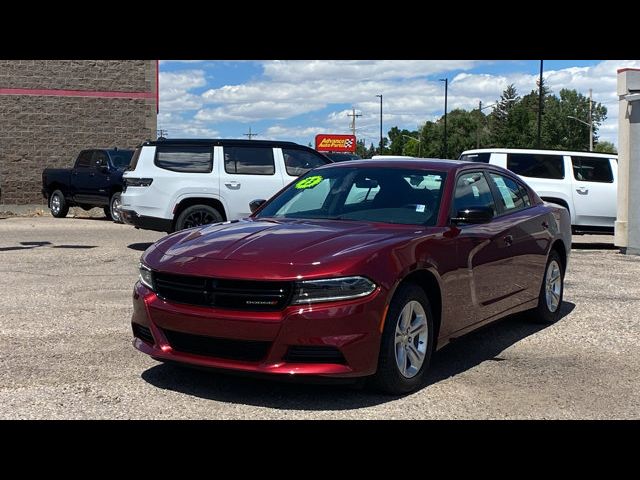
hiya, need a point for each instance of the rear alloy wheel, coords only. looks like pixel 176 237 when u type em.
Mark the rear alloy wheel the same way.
pixel 57 205
pixel 113 210
pixel 551 292
pixel 197 215
pixel 407 342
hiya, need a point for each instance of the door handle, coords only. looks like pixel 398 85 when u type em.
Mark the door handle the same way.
pixel 233 185
pixel 508 240
pixel 582 190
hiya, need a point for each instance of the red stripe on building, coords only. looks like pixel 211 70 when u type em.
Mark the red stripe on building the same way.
pixel 75 93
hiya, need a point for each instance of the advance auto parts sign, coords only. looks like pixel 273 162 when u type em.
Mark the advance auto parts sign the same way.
pixel 326 142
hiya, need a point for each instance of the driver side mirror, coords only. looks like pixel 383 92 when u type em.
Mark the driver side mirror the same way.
pixel 256 204
pixel 473 215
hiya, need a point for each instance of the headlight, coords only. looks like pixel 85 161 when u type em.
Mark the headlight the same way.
pixel 146 276
pixel 332 289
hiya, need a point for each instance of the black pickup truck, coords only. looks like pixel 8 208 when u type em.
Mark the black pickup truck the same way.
pixel 94 181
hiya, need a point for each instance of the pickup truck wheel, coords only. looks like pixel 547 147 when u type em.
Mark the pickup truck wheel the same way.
pixel 57 205
pixel 112 212
pixel 197 215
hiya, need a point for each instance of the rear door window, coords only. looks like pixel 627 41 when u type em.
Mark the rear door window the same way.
pixel 185 158
pixel 512 195
pixel 249 160
pixel 84 159
pixel 298 162
pixel 590 169
pixel 536 165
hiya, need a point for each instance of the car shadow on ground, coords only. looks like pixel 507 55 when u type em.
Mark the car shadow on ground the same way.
pixel 594 246
pixel 141 247
pixel 485 344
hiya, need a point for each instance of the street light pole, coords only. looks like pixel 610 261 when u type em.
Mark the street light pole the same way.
pixel 380 122
pixel 446 88
pixel 480 108
pixel 540 104
pixel 590 120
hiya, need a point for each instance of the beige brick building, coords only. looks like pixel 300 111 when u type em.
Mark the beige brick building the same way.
pixel 52 109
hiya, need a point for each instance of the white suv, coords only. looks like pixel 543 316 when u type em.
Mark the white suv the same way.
pixel 177 184
pixel 585 183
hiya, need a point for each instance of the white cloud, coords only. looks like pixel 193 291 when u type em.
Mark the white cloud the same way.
pixel 174 90
pixel 305 70
pixel 301 134
pixel 176 126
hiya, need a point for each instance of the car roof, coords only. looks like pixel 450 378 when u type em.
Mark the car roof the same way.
pixel 407 163
pixel 539 151
pixel 224 141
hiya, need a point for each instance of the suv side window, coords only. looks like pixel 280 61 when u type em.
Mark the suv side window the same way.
pixel 84 160
pixel 298 162
pixel 513 196
pixel 100 159
pixel 249 160
pixel 185 158
pixel 536 165
pixel 472 190
pixel 590 169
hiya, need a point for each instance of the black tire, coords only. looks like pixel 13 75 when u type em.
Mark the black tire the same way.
pixel 112 212
pixel 389 377
pixel 544 312
pixel 58 205
pixel 197 215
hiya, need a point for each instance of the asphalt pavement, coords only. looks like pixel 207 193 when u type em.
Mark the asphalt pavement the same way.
pixel 66 353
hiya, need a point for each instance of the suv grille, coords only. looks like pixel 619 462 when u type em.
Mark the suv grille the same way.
pixel 211 292
pixel 245 350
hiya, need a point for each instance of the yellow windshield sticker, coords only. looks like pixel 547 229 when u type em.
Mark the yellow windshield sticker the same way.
pixel 309 182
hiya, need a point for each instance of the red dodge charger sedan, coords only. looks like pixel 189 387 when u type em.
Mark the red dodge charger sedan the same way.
pixel 356 269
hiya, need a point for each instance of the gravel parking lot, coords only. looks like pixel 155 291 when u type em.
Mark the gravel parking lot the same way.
pixel 66 353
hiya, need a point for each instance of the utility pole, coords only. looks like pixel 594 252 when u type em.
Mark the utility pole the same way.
pixel 353 114
pixel 540 104
pixel 161 133
pixel 380 123
pixel 478 129
pixel 446 89
pixel 250 135
pixel 590 120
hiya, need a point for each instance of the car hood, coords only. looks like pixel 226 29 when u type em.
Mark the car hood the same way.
pixel 298 242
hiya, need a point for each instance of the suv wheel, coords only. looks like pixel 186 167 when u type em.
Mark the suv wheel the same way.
pixel 112 212
pixel 197 215
pixel 57 205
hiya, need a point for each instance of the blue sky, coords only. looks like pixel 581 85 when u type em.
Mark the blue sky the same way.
pixel 297 99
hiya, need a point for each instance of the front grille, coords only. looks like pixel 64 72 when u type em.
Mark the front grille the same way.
pixel 314 354
pixel 143 333
pixel 212 292
pixel 246 350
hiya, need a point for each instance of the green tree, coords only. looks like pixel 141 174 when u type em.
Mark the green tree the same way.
pixel 605 147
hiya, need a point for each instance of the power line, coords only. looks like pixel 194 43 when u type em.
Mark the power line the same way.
pixel 250 135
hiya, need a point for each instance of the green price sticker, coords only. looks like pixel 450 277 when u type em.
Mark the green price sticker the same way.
pixel 309 182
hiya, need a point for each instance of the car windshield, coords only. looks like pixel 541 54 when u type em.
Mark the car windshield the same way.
pixel 389 195
pixel 121 158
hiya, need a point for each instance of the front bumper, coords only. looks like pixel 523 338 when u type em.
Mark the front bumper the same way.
pixel 351 327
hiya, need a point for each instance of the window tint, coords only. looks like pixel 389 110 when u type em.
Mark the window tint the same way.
pixel 100 158
pixel 513 196
pixel 121 158
pixel 472 190
pixel 185 158
pixel 536 165
pixel 589 169
pixel 249 160
pixel 84 160
pixel 476 157
pixel 299 162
